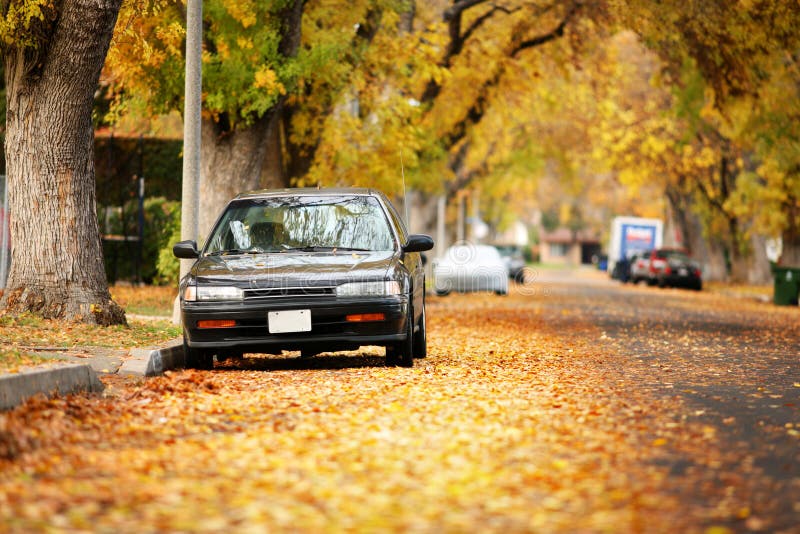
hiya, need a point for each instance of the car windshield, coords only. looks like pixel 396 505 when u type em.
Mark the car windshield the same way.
pixel 301 223
pixel 469 254
pixel 673 256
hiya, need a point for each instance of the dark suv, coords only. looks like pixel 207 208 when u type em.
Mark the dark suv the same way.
pixel 314 270
pixel 671 267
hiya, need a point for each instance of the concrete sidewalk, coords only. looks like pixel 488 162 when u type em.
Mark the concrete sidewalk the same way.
pixel 76 369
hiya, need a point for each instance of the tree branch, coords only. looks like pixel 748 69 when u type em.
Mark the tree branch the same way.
pixel 551 36
pixel 459 7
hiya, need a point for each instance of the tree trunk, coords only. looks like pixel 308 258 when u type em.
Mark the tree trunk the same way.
pixel 759 271
pixel 233 159
pixel 232 163
pixel 56 258
pixel 274 174
pixel 790 256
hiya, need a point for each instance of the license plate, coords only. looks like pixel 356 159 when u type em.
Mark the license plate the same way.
pixel 280 322
pixel 683 272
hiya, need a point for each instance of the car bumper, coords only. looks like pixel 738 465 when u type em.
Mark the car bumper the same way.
pixel 463 283
pixel 681 281
pixel 330 329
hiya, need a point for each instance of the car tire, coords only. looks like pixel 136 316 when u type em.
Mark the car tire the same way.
pixel 501 292
pixel 401 354
pixel 197 358
pixel 420 338
pixel 442 292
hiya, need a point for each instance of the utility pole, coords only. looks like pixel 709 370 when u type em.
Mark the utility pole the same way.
pixel 191 125
pixel 441 213
pixel 190 198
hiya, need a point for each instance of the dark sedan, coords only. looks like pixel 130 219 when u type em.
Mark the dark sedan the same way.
pixel 672 268
pixel 314 270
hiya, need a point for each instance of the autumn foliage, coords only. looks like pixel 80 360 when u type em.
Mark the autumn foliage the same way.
pixel 603 410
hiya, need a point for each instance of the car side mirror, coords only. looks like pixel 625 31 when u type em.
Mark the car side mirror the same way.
pixel 418 243
pixel 186 250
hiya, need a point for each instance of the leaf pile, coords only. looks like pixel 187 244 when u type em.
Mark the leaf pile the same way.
pixel 560 411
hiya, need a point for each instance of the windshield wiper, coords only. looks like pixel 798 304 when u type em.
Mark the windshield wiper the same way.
pixel 317 248
pixel 234 251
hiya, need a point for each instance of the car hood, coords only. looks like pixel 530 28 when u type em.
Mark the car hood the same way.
pixel 314 268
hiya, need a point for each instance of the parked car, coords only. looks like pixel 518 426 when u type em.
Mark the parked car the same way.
pixel 514 260
pixel 639 267
pixel 305 269
pixel 670 267
pixel 470 268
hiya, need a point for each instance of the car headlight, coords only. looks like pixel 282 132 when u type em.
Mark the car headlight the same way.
pixel 390 287
pixel 205 293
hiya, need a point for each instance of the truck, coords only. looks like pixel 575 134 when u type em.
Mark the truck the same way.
pixel 630 235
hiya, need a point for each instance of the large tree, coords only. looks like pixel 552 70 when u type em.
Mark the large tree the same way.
pixel 746 54
pixel 53 53
pixel 256 65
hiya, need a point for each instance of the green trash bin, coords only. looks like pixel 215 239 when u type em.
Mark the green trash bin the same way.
pixel 787 285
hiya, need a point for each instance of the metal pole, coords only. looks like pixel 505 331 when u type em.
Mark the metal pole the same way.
pixel 190 198
pixel 441 206
pixel 461 208
pixel 140 198
pixel 191 125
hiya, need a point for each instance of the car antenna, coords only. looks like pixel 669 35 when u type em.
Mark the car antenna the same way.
pixel 405 195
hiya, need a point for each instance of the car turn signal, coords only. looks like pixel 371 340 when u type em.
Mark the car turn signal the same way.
pixel 221 323
pixel 365 317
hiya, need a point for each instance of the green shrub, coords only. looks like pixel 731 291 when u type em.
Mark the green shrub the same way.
pixel 168 266
pixel 121 256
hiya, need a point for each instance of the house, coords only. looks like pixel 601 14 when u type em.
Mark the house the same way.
pixel 568 247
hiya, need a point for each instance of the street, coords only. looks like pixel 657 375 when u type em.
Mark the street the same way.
pixel 573 404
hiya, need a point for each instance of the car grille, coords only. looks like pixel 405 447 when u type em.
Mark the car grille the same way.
pixel 278 292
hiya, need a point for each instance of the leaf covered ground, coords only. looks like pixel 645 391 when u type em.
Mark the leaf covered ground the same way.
pixel 24 337
pixel 595 409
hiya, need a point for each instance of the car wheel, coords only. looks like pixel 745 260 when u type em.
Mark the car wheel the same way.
pixel 402 353
pixel 420 338
pixel 197 358
pixel 442 292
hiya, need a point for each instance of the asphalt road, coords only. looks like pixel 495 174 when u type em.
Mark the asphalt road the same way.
pixel 575 404
pixel 732 364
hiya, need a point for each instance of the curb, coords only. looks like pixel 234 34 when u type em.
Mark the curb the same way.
pixel 75 378
pixel 153 362
pixel 62 380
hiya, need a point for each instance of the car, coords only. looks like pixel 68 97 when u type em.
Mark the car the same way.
pixel 639 267
pixel 466 268
pixel 314 270
pixel 514 260
pixel 671 267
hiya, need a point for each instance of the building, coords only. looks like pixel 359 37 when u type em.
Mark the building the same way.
pixel 567 247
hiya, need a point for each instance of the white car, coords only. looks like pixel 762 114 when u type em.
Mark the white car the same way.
pixel 469 268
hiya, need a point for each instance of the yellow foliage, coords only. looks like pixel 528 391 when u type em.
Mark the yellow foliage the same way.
pixel 265 78
pixel 243 11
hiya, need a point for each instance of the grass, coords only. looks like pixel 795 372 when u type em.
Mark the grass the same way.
pixel 24 334
pixel 12 359
pixel 742 289
pixel 145 300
